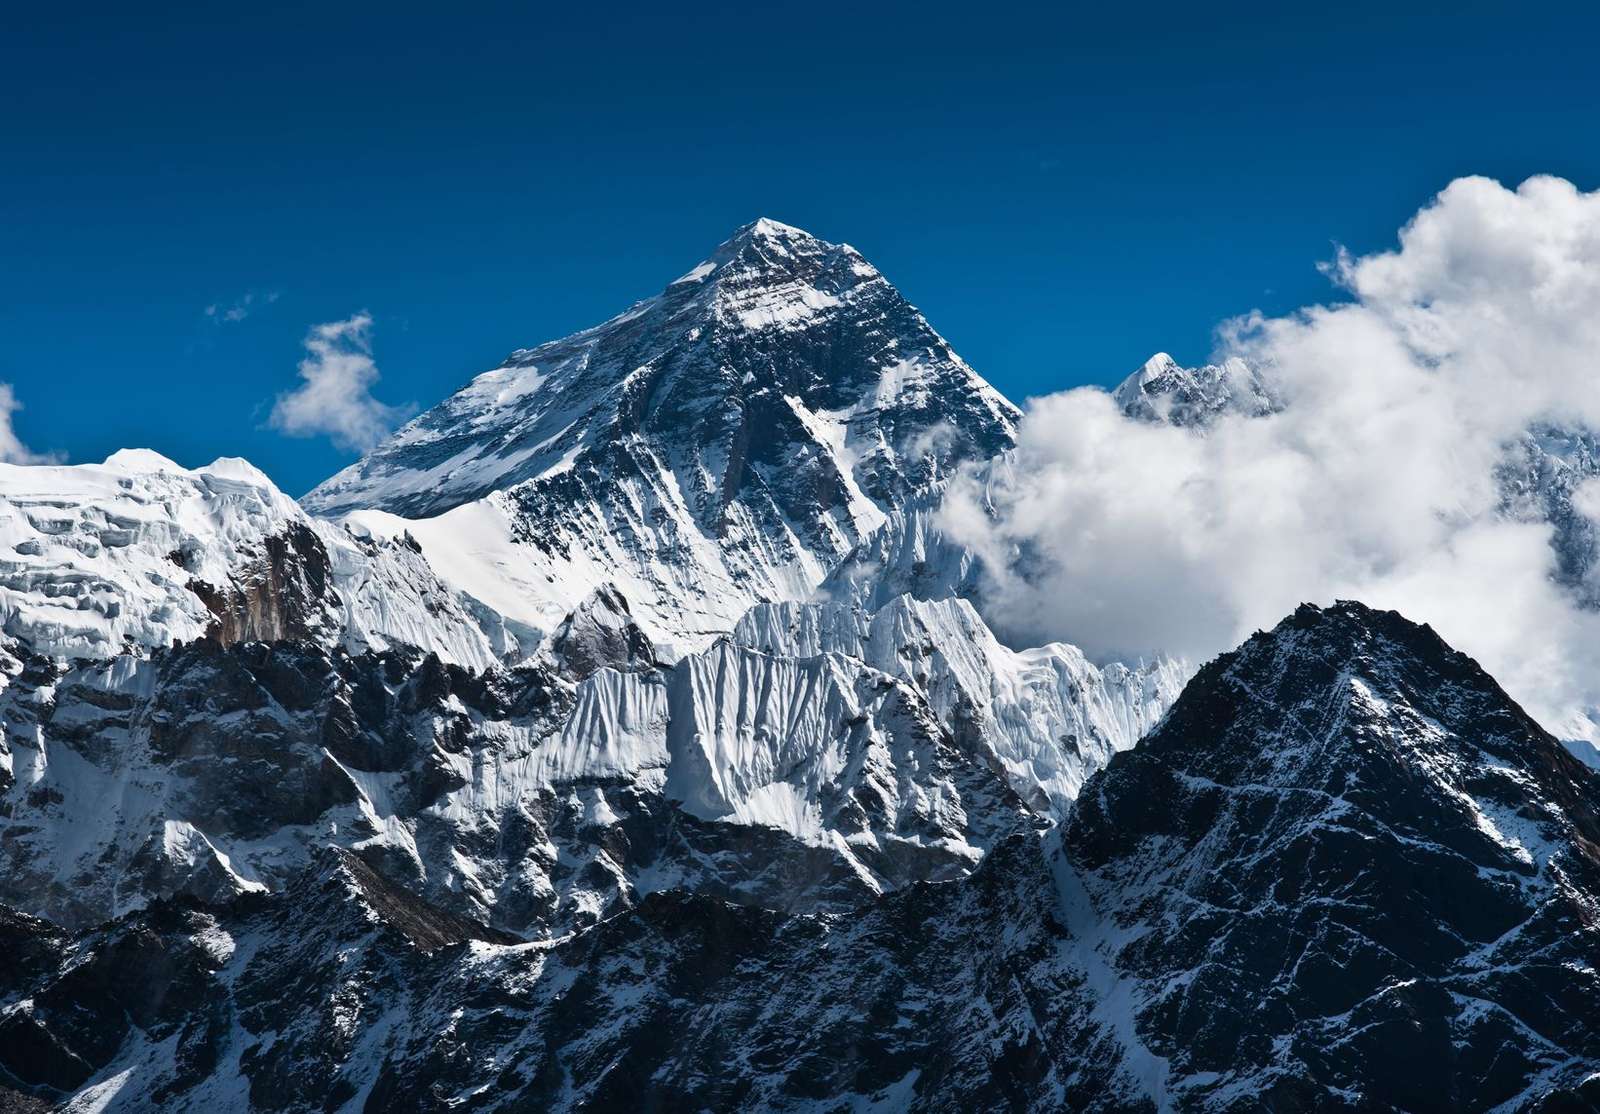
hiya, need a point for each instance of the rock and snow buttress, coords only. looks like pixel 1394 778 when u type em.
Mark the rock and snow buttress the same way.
pixel 1346 872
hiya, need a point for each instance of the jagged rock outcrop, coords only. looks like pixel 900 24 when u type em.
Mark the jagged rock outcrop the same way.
pixel 601 632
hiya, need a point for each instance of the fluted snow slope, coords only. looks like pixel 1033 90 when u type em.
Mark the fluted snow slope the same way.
pixel 806 779
pixel 1047 716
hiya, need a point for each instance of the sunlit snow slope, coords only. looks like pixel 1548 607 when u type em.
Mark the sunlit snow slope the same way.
pixel 137 554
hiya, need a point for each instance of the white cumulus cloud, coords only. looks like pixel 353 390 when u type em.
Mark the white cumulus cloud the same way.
pixel 336 398
pixel 1375 482
pixel 12 450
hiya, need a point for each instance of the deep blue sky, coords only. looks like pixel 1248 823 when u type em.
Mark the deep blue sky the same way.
pixel 1062 193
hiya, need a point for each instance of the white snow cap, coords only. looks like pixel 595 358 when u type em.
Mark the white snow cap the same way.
pixel 103 559
pixel 141 460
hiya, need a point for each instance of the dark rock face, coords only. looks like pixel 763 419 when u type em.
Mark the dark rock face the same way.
pixel 685 1003
pixel 253 745
pixel 286 594
pixel 600 633
pixel 1345 854
pixel 1345 873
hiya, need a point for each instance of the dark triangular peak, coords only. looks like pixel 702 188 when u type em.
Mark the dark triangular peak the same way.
pixel 1345 853
pixel 772 245
pixel 1336 689
pixel 774 319
pixel 727 441
pixel 600 633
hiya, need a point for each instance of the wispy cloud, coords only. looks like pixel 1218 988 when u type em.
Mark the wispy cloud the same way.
pixel 240 308
pixel 336 398
pixel 12 450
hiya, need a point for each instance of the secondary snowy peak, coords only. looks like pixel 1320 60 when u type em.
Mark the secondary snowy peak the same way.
pixel 725 442
pixel 1165 391
pixel 137 554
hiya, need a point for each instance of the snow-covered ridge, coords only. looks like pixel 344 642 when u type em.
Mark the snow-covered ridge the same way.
pixel 1047 716
pixel 138 553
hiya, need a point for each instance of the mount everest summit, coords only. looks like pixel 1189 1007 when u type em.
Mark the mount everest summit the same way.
pixel 729 441
pixel 627 730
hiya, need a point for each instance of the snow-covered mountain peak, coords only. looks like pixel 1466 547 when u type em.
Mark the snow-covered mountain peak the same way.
pixel 1163 390
pixel 724 442
pixel 140 460
pixel 768 244
pixel 773 276
pixel 765 228
pixel 139 553
pixel 545 406
pixel 238 468
pixel 1153 369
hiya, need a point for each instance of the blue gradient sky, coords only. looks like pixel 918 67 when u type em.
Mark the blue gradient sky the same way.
pixel 1061 193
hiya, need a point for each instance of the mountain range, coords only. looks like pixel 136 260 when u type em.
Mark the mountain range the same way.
pixel 627 732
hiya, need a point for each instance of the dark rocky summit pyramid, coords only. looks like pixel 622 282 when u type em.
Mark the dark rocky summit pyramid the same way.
pixel 730 440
